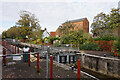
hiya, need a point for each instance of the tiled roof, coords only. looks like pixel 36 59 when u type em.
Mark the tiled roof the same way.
pixel 77 20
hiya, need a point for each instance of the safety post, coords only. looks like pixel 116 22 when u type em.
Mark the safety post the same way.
pixel 12 49
pixel 38 62
pixel 6 44
pixel 18 49
pixel 2 43
pixel 29 57
pixel 15 49
pixel 51 66
pixel 78 69
pixel 4 58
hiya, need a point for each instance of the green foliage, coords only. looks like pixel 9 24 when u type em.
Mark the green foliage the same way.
pixel 66 28
pixel 51 39
pixel 27 25
pixel 36 34
pixel 105 37
pixel 103 24
pixel 28 19
pixel 116 46
pixel 4 34
pixel 76 37
pixel 13 32
pixel 89 46
pixel 113 19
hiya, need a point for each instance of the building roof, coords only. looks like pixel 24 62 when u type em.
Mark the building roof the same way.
pixel 76 20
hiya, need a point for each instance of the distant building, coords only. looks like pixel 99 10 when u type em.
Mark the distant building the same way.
pixel 82 23
pixel 45 33
pixel 52 34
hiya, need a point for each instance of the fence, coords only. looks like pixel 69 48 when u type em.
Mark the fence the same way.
pixel 104 65
pixel 15 51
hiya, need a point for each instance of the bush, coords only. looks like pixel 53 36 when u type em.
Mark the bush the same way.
pixel 116 47
pixel 90 46
pixel 105 37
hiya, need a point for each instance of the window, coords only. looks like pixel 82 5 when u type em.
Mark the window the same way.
pixel 79 24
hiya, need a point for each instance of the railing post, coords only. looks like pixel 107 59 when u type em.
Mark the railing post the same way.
pixel 51 66
pixel 15 49
pixel 38 62
pixel 29 57
pixel 4 58
pixel 78 69
pixel 18 49
pixel 12 49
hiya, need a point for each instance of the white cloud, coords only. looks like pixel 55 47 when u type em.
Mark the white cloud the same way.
pixel 59 0
pixel 52 14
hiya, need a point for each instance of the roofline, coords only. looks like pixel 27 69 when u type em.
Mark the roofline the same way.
pixel 74 20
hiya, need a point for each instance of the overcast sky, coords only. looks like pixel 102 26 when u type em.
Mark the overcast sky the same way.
pixel 54 13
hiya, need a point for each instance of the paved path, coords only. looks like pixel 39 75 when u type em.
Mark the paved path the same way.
pixel 21 70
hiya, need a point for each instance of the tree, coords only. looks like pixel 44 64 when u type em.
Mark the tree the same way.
pixel 51 39
pixel 98 24
pixel 12 32
pixel 29 25
pixel 24 31
pixel 36 34
pixel 4 34
pixel 76 37
pixel 66 28
pixel 105 24
pixel 28 19
pixel 113 19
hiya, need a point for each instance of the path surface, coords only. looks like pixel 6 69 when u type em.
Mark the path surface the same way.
pixel 21 70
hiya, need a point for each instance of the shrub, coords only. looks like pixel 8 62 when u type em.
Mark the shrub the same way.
pixel 105 37
pixel 90 46
pixel 116 47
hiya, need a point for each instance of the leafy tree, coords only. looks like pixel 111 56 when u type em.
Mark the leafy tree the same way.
pixel 98 24
pixel 66 28
pixel 105 24
pixel 24 31
pixel 113 19
pixel 36 34
pixel 51 39
pixel 4 34
pixel 12 32
pixel 28 19
pixel 76 37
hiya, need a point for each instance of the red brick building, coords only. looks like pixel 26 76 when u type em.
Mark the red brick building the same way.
pixel 82 23
pixel 52 34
